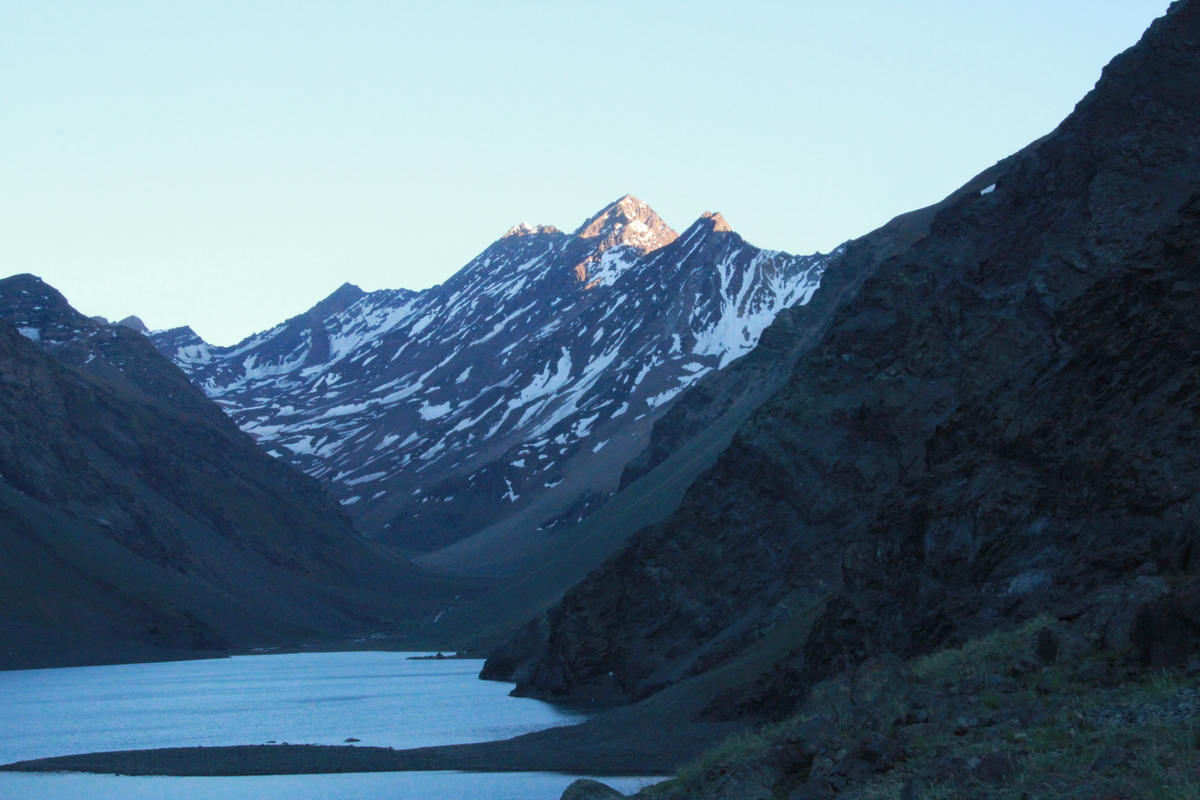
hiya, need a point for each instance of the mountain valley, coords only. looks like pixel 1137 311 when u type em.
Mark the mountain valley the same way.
pixel 913 518
pixel 138 522
pixel 503 405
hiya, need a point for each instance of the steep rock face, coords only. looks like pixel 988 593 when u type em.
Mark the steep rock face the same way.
pixel 628 222
pixel 732 394
pixel 507 400
pixel 137 521
pixel 1000 422
pixel 710 413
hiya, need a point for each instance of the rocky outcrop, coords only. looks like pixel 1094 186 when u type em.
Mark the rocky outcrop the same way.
pixel 628 222
pixel 1166 631
pixel 587 789
pixel 998 422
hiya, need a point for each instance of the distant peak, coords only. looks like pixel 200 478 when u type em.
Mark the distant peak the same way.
pixel 525 229
pixel 31 284
pixel 172 338
pixel 627 221
pixel 30 291
pixel 707 224
pixel 134 322
pixel 718 221
pixel 342 298
pixel 29 302
pixel 24 278
pixel 347 290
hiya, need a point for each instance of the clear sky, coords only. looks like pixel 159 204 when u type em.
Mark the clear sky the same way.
pixel 228 164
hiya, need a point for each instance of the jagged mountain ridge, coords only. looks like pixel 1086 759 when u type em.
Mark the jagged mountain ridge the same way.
pixel 513 394
pixel 138 522
pixel 1000 422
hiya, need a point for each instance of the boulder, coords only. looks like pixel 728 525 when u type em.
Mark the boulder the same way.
pixel 587 789
pixel 1060 643
pixel 1166 631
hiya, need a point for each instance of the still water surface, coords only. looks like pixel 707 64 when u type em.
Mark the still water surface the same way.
pixel 383 699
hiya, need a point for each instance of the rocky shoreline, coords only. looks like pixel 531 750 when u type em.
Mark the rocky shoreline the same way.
pixel 311 759
pixel 636 740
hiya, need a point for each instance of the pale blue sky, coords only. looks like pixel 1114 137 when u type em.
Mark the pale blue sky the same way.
pixel 227 164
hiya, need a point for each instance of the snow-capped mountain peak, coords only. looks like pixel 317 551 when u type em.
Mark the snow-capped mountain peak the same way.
pixel 617 235
pixel 515 392
pixel 627 221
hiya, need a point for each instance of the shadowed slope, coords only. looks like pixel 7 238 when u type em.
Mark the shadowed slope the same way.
pixel 137 521
pixel 998 423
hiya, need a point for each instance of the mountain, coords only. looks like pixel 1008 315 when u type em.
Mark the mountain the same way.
pixel 137 522
pixel 997 422
pixel 501 406
pixel 135 323
pixel 683 444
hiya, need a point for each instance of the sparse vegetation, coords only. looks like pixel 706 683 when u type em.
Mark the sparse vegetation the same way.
pixel 1091 726
pixel 696 773
pixel 980 656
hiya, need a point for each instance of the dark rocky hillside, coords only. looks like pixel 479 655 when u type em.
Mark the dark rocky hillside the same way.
pixel 684 443
pixel 137 521
pixel 998 423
